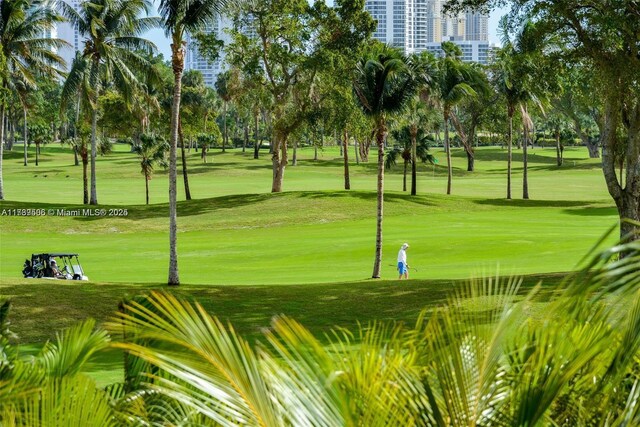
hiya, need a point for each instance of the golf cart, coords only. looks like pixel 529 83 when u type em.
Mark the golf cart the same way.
pixel 45 266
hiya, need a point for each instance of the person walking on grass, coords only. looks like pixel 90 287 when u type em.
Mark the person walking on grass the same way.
pixel 403 267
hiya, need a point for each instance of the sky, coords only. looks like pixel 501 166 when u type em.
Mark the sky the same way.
pixel 163 44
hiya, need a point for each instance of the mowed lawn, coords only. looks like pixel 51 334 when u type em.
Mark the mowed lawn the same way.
pixel 316 238
pixel 235 232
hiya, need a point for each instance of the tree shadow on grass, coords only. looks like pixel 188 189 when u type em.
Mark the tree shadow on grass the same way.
pixel 368 196
pixel 567 166
pixel 212 205
pixel 211 165
pixel 519 203
pixel 593 211
pixel 250 309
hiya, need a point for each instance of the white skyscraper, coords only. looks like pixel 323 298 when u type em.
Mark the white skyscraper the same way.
pixel 70 34
pixel 195 61
pixel 418 25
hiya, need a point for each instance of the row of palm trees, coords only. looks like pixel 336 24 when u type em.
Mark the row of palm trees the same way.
pixel 490 356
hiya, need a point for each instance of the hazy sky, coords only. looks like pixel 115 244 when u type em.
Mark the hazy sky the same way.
pixel 158 37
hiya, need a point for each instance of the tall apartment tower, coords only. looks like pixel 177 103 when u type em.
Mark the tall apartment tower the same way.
pixel 476 26
pixel 195 61
pixel 394 21
pixel 70 34
pixel 418 25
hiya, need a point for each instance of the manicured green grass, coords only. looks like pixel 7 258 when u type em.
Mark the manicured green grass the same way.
pixel 120 182
pixel 316 238
pixel 235 232
pixel 42 307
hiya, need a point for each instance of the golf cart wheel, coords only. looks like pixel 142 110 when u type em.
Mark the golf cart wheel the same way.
pixel 77 277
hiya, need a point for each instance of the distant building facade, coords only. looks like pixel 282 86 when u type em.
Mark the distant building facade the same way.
pixel 419 25
pixel 71 35
pixel 195 61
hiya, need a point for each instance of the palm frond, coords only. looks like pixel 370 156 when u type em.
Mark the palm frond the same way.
pixel 73 348
pixel 223 372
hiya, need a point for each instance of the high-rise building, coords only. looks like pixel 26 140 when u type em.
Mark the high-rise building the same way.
pixel 195 61
pixel 476 26
pixel 71 35
pixel 418 25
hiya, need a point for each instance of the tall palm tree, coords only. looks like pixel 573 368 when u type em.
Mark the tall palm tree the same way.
pixel 224 92
pixel 179 17
pixel 414 146
pixel 453 85
pixel 4 95
pixel 111 29
pixel 425 67
pixel 514 79
pixel 382 84
pixel 25 49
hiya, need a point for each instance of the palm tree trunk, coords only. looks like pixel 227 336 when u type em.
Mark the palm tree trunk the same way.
pixel 85 183
pixel 185 172
pixel 380 130
pixel 256 144
pixel 224 139
pixel 447 148
pixel 2 112
pixel 177 62
pixel 11 129
pixel 347 182
pixel 146 187
pixel 525 171
pixel 75 134
pixel 94 151
pixel 404 175
pixel 509 151
pixel 24 136
pixel 414 178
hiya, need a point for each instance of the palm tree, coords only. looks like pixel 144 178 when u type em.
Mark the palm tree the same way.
pixel 40 135
pixel 419 116
pixel 474 108
pixel 503 82
pixel 425 67
pixel 452 85
pixel 179 17
pixel 151 150
pixel 514 78
pixel 382 84
pixel 111 29
pixel 26 52
pixel 224 92
pixel 414 145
